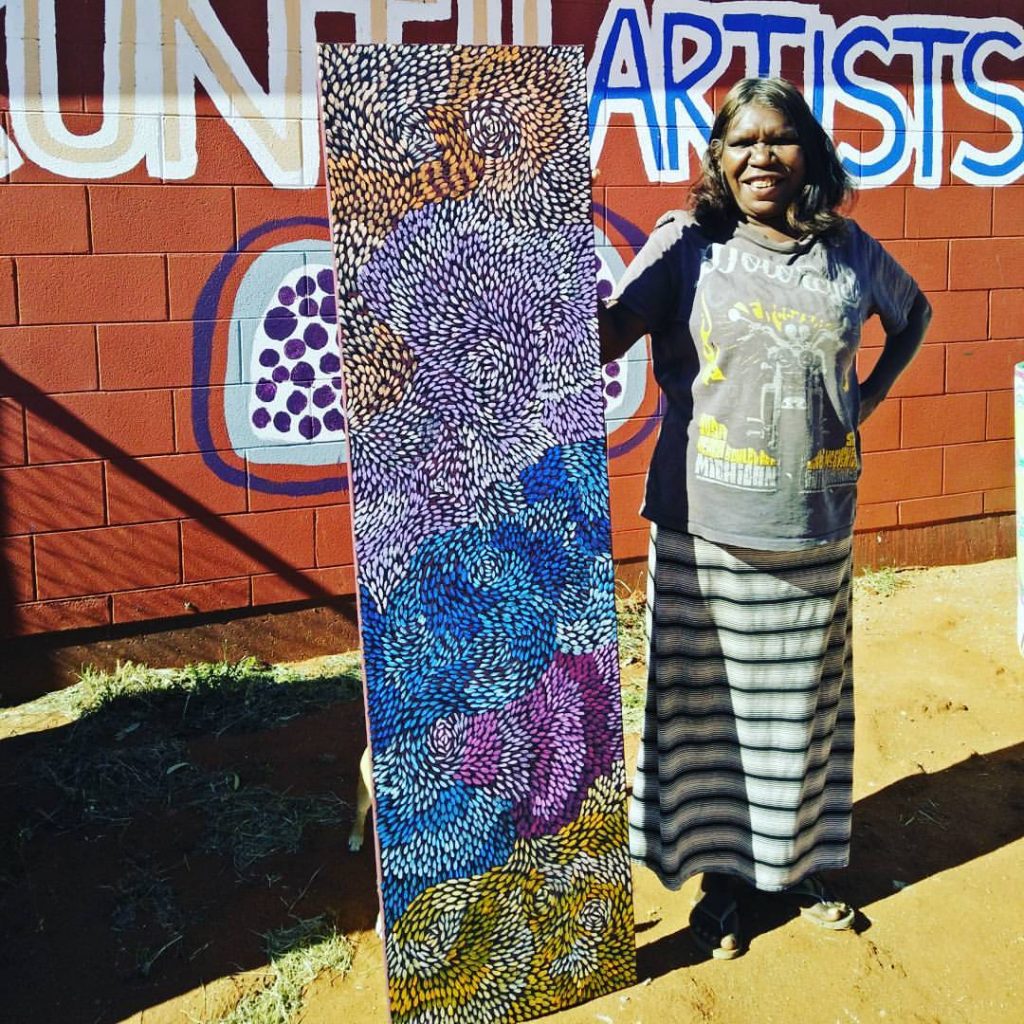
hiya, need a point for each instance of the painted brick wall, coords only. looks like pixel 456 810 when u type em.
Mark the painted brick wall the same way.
pixel 131 281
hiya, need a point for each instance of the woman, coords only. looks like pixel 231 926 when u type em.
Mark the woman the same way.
pixel 754 302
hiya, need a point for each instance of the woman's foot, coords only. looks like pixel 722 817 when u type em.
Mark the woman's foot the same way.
pixel 715 920
pixel 819 906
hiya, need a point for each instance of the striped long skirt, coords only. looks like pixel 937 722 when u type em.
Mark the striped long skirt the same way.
pixel 746 759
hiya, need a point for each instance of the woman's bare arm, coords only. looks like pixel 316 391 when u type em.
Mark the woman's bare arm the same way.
pixel 899 350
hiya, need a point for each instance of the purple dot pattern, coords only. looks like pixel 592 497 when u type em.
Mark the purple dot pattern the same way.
pixel 315 336
pixel 294 362
pixel 303 375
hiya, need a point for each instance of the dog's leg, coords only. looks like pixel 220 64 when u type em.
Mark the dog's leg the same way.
pixel 363 790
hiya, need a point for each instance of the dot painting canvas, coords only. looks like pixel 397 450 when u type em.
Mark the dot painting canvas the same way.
pixel 466 296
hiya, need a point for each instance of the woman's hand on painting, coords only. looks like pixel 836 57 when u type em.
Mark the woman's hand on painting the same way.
pixel 899 350
pixel 618 329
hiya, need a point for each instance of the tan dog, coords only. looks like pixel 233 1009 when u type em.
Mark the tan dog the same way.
pixel 364 799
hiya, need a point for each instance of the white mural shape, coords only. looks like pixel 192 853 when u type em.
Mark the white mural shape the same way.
pixel 282 394
pixel 643 67
pixel 658 69
pixel 156 51
pixel 623 380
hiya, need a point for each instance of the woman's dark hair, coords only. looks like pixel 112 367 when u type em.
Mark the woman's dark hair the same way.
pixel 826 185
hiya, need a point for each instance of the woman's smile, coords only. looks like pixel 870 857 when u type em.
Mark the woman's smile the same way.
pixel 763 164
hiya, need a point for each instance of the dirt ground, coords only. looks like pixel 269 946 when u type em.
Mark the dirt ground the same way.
pixel 937 865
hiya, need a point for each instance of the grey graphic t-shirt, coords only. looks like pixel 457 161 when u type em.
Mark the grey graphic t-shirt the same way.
pixel 753 343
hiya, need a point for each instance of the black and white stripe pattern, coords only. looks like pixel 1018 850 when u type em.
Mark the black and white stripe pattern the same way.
pixel 746 759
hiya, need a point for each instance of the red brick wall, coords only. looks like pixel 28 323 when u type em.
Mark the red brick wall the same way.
pixel 120 503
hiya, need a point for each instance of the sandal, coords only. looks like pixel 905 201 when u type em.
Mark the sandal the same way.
pixel 715 924
pixel 820 907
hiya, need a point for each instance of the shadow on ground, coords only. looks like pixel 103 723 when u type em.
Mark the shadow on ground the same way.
pixel 148 847
pixel 917 827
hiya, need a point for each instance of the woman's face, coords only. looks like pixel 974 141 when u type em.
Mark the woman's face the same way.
pixel 763 164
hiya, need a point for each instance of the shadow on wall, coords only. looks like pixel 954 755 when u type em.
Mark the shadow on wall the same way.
pixel 9 439
pixel 40 405
pixel 148 847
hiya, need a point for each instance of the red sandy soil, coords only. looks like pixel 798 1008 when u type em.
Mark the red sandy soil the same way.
pixel 937 865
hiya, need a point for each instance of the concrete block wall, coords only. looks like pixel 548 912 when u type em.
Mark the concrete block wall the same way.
pixel 132 283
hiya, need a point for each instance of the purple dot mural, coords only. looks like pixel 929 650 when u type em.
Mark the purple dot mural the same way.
pixel 295 341
pixel 465 264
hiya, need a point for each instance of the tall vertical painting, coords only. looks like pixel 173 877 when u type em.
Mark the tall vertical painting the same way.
pixel 466 293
